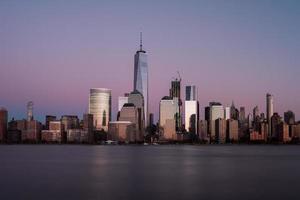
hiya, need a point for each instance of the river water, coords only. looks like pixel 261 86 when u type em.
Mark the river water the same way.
pixel 149 172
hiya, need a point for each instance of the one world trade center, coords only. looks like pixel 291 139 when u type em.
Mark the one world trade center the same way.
pixel 141 76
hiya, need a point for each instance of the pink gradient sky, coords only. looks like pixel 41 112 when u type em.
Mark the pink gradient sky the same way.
pixel 52 52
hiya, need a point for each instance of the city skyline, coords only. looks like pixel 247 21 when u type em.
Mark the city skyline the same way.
pixel 227 59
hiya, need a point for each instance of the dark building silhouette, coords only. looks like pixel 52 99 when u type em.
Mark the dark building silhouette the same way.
pixel 289 117
pixel 3 124
pixel 49 118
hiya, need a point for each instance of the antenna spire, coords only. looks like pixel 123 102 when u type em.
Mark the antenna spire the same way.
pixel 141 41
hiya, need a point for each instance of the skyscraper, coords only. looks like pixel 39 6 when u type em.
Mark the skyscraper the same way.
pixel 191 110
pixel 30 111
pixel 122 100
pixel 141 76
pixel 289 117
pixel 270 111
pixel 216 112
pixel 100 107
pixel 190 93
pixel 227 112
pixel 175 92
pixel 136 98
pixel 242 114
pixel 168 110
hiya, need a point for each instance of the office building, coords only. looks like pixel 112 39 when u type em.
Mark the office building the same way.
pixel 289 117
pixel 190 93
pixel 234 112
pixel 191 106
pixel 232 130
pixel 203 130
pixel 269 112
pixel 100 107
pixel 122 131
pixel 227 113
pixel 136 98
pixel 89 127
pixel 283 132
pixel 141 77
pixel 49 118
pixel 130 113
pixel 122 100
pixel 220 131
pixel 242 114
pixel 70 122
pixel 275 122
pixel 168 112
pixel 3 124
pixel 55 132
pixel 216 112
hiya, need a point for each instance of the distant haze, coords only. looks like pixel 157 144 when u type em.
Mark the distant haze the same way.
pixel 52 52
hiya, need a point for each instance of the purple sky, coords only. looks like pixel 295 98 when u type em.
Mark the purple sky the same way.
pixel 52 52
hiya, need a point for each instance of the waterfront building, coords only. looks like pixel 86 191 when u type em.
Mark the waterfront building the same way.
pixel 275 122
pixel 3 124
pixel 122 131
pixel 100 107
pixel 216 112
pixel 130 113
pixel 88 126
pixel 220 130
pixel 283 132
pixel 232 133
pixel 203 130
pixel 77 136
pixel 136 98
pixel 55 132
pixel 32 133
pixel 70 122
pixel 49 118
pixel 168 111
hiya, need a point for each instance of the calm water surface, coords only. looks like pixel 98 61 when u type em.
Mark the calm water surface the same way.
pixel 149 172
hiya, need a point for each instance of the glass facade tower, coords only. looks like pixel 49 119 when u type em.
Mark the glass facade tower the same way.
pixel 100 107
pixel 141 78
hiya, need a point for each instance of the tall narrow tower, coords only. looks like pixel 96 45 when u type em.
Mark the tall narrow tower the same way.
pixel 141 76
pixel 30 111
pixel 269 111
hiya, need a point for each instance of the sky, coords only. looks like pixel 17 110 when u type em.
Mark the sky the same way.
pixel 53 52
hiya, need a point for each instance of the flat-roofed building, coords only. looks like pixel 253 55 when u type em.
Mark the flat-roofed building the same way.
pixel 55 132
pixel 122 131
pixel 232 130
pixel 220 127
pixel 3 124
pixel 168 111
